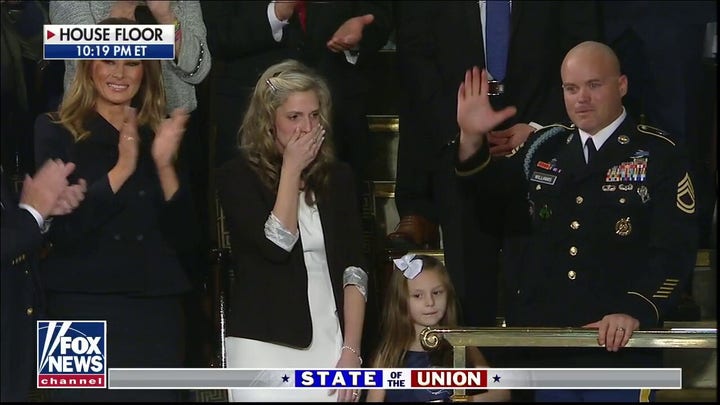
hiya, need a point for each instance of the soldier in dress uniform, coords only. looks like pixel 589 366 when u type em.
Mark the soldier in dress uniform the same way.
pixel 600 219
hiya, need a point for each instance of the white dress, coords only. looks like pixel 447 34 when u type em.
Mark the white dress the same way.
pixel 326 346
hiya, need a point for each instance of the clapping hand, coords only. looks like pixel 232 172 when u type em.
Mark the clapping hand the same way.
pixel 43 190
pixel 124 9
pixel 168 137
pixel 284 9
pixel 161 10
pixel 349 35
pixel 70 198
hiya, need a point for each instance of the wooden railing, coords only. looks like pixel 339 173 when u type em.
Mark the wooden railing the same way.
pixel 460 338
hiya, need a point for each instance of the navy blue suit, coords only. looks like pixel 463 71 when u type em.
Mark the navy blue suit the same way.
pixel 117 257
pixel 21 242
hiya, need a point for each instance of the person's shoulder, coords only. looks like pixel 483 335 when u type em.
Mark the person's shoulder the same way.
pixel 47 125
pixel 556 128
pixel 550 135
pixel 338 166
pixel 46 119
pixel 236 166
pixel 341 171
pixel 655 135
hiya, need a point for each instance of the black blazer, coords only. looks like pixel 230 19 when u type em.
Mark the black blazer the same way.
pixel 21 298
pixel 439 41
pixel 269 296
pixel 127 242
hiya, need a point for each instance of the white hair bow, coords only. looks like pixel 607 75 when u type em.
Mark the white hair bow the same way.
pixel 410 266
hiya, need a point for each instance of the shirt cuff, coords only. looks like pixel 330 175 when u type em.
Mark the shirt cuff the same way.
pixel 357 277
pixel 535 125
pixel 276 25
pixel 38 218
pixel 352 56
pixel 276 233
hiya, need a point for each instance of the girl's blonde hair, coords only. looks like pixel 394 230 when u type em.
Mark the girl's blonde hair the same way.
pixel 257 133
pixel 398 327
pixel 79 99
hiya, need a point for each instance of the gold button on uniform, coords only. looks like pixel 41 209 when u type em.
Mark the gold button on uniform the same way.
pixel 574 224
pixel 572 275
pixel 622 201
pixel 29 311
pixel 579 200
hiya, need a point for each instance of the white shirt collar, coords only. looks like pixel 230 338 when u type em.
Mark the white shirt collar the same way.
pixel 603 135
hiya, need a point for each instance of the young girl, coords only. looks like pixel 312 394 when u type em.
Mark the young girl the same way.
pixel 420 295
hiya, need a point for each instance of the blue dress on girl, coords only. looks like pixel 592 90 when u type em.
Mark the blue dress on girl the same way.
pixel 417 360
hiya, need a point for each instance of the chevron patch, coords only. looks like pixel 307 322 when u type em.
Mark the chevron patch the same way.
pixel 667 288
pixel 686 195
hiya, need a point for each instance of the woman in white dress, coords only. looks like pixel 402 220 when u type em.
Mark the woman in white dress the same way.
pixel 298 298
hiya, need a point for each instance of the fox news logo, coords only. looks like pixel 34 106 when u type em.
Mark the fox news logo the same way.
pixel 71 354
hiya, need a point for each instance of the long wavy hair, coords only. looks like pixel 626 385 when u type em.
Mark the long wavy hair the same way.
pixel 397 325
pixel 81 96
pixel 257 133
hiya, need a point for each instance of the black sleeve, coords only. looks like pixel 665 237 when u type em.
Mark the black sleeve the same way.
pixel 20 234
pixel 375 35
pixel 100 203
pixel 246 211
pixel 237 28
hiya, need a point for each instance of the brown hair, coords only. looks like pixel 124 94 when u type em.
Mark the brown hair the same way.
pixel 397 325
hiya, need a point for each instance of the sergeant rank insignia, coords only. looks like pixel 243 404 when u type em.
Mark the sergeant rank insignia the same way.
pixel 686 195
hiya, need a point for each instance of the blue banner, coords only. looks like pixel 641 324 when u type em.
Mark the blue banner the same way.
pixel 108 51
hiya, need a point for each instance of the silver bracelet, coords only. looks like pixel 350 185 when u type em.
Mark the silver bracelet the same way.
pixel 354 352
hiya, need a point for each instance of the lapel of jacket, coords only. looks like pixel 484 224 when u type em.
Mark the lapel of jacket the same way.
pixel 516 9
pixel 102 131
pixel 467 13
pixel 570 157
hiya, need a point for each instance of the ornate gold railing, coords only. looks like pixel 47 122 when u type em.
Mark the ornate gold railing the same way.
pixel 460 338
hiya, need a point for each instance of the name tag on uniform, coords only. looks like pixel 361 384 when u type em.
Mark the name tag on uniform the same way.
pixel 543 178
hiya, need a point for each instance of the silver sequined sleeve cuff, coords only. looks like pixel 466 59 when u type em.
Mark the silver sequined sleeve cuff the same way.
pixel 357 277
pixel 277 234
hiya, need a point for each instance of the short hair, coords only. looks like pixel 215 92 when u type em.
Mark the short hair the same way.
pixel 256 136
pixel 79 99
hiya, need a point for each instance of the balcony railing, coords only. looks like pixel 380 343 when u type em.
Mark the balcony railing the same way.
pixel 460 338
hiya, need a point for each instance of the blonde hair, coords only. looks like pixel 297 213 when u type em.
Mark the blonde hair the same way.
pixel 257 132
pixel 79 99
pixel 397 325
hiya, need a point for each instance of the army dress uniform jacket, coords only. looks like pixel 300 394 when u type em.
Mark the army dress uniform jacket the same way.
pixel 617 235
